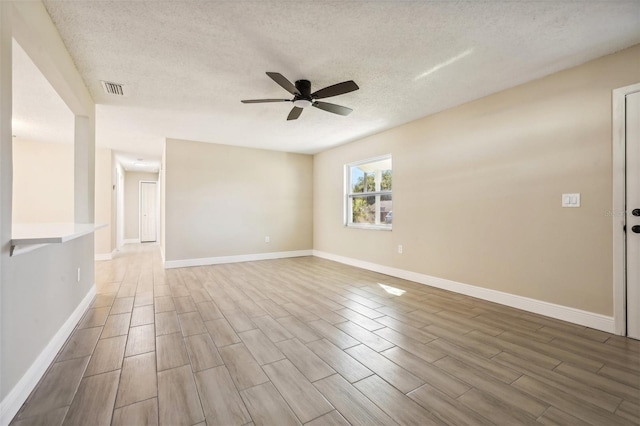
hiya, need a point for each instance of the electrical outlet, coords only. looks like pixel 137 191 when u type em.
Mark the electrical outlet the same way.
pixel 571 200
pixel 267 239
pixel 399 248
pixel 78 274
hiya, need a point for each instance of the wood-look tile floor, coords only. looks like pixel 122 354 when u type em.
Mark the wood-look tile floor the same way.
pixel 309 341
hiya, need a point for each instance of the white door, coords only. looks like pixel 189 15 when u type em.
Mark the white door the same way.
pixel 148 211
pixel 632 168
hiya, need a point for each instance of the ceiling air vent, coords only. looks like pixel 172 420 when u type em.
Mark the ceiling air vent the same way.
pixel 112 88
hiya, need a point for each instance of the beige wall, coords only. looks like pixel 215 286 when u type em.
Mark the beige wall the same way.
pixel 132 202
pixel 42 182
pixel 43 186
pixel 104 242
pixel 477 190
pixel 222 200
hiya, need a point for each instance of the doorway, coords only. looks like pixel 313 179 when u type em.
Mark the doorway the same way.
pixel 148 211
pixel 626 210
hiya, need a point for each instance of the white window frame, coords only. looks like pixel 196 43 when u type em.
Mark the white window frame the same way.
pixel 348 213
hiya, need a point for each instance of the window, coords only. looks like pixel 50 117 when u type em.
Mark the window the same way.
pixel 368 193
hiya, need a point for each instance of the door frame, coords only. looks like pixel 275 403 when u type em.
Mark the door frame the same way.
pixel 618 213
pixel 157 211
pixel 119 206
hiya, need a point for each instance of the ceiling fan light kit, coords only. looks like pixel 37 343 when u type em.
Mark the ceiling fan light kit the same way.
pixel 302 96
pixel 302 103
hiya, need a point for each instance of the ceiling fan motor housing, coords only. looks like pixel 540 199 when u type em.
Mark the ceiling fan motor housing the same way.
pixel 304 99
pixel 304 87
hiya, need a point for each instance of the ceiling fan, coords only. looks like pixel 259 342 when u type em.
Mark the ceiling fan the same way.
pixel 302 96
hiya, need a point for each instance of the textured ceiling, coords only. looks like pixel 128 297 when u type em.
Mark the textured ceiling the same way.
pixel 187 64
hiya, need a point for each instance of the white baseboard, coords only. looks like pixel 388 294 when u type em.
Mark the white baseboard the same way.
pixel 234 259
pixel 21 391
pixel 565 313
pixel 131 241
pixel 103 256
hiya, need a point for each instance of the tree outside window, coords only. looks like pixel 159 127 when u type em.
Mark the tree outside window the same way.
pixel 369 193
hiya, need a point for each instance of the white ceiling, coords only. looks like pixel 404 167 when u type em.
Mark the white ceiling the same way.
pixel 187 64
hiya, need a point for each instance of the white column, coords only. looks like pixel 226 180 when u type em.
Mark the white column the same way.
pixel 378 180
pixel 84 176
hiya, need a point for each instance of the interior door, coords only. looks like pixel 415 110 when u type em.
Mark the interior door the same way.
pixel 148 211
pixel 632 168
pixel 632 120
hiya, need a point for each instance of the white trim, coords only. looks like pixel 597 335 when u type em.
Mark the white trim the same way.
pixel 131 241
pixel 370 227
pixel 158 208
pixel 370 160
pixel 119 205
pixel 565 313
pixel 21 391
pixel 348 195
pixel 234 259
pixel 619 206
pixel 105 256
pixel 102 256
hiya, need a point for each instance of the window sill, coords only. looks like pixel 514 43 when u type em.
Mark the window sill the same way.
pixel 371 227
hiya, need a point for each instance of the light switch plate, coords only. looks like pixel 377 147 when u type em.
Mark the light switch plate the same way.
pixel 571 200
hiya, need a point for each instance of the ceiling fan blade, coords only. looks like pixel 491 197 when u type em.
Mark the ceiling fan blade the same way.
pixel 283 82
pixel 260 101
pixel 295 113
pixel 336 109
pixel 335 90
